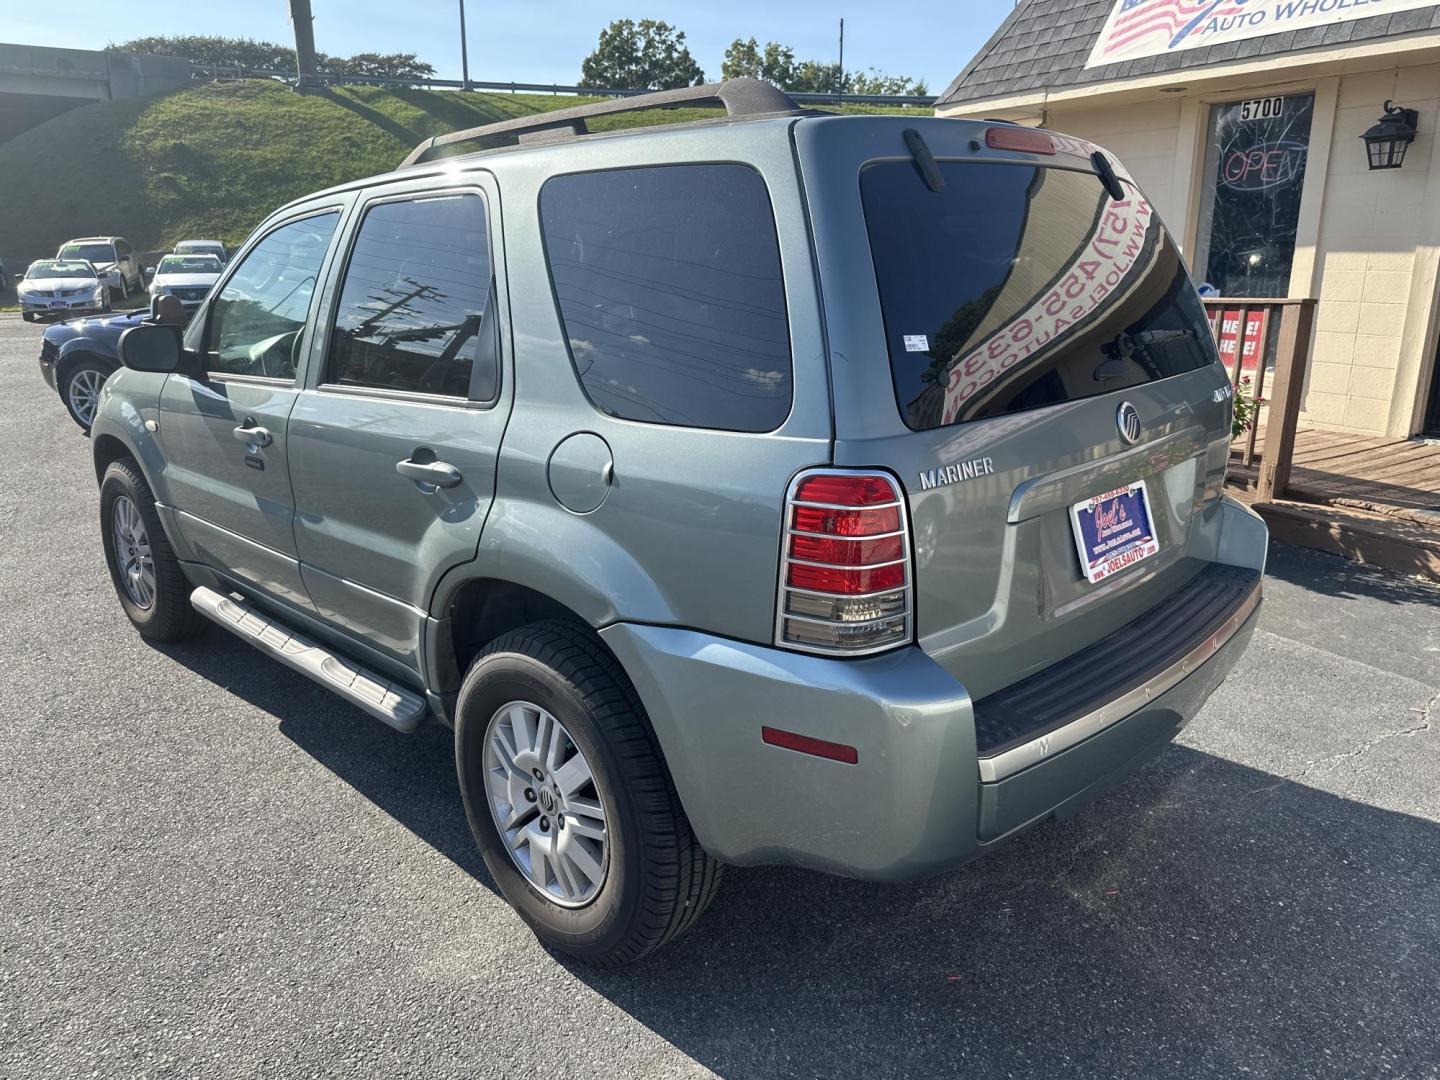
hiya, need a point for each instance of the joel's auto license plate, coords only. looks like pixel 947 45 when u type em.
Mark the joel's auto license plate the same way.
pixel 1114 530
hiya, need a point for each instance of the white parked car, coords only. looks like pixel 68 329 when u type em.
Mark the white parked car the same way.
pixel 113 258
pixel 61 287
pixel 203 247
pixel 186 277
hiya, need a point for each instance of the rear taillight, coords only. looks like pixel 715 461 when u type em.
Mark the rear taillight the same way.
pixel 846 584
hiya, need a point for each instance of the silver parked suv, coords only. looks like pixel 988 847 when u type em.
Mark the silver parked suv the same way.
pixel 782 488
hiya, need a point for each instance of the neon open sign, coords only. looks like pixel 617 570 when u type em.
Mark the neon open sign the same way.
pixel 1262 165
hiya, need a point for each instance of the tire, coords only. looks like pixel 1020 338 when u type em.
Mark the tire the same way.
pixel 28 316
pixel 656 880
pixel 80 389
pixel 168 615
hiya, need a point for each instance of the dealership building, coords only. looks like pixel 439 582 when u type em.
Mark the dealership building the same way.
pixel 1289 145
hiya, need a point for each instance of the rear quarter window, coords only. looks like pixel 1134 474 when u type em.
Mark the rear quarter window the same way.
pixel 670 292
pixel 1017 287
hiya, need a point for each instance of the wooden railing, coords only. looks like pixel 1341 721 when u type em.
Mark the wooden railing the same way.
pixel 1285 350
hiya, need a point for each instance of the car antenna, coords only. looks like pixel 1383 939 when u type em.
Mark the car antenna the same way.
pixel 924 160
pixel 1106 172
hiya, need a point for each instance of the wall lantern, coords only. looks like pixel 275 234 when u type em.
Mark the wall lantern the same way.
pixel 1386 142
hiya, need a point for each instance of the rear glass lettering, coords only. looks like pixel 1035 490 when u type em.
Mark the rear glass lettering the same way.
pixel 1024 279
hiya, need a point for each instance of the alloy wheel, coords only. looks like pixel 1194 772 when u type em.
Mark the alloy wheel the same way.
pixel 83 394
pixel 132 552
pixel 545 803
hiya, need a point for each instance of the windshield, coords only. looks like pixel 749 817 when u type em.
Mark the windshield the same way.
pixel 95 253
pixel 188 264
pixel 1016 287
pixel 56 269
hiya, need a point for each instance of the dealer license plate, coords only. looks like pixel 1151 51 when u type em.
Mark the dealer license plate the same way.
pixel 1114 530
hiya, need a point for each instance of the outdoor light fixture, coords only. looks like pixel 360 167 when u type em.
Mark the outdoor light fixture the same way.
pixel 1386 142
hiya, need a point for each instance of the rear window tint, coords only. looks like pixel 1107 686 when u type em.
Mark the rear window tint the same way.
pixel 669 286
pixel 1018 287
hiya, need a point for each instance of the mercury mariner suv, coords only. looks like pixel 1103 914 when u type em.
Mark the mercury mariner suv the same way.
pixel 785 487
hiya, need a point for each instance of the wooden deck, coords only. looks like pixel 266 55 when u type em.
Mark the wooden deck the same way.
pixel 1376 501
pixel 1399 478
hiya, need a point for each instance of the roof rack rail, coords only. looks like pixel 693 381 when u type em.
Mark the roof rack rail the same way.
pixel 741 97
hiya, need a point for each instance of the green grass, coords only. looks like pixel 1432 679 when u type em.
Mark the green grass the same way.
pixel 212 160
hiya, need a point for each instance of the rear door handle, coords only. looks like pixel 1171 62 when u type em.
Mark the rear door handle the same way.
pixel 250 432
pixel 437 474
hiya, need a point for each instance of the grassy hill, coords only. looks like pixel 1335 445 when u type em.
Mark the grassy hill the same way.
pixel 213 159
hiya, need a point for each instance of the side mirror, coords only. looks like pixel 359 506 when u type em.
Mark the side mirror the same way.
pixel 149 271
pixel 151 348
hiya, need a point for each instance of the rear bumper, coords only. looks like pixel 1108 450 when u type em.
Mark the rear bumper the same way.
pixel 916 802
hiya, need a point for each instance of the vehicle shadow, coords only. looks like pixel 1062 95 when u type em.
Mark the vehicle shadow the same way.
pixel 1203 919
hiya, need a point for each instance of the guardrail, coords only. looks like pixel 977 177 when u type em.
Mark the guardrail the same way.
pixel 222 71
pixel 1256 335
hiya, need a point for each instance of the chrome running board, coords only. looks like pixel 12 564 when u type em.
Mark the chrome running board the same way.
pixel 401 708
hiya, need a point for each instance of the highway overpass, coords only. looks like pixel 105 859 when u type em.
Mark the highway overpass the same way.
pixel 37 83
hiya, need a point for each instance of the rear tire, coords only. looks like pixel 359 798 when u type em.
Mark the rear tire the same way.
pixel 656 880
pixel 148 580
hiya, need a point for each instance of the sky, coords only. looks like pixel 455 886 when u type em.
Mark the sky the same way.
pixel 535 41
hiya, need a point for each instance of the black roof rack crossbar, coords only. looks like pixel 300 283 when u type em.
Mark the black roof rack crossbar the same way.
pixel 740 97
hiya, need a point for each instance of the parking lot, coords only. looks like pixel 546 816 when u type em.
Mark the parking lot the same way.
pixel 211 867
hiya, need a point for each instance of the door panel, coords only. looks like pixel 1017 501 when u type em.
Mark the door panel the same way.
pixel 225 434
pixel 409 374
pixel 360 522
pixel 234 496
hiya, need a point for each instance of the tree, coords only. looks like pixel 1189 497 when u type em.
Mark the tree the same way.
pixel 271 56
pixel 744 60
pixel 220 51
pixel 648 55
pixel 877 82
pixel 379 65
pixel 777 65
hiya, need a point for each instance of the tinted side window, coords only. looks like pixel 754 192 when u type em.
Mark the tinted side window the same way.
pixel 255 322
pixel 670 292
pixel 412 309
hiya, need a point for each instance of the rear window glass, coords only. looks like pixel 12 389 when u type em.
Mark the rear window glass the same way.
pixel 668 280
pixel 1018 287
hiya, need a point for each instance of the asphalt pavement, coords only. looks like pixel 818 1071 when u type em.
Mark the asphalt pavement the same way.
pixel 210 867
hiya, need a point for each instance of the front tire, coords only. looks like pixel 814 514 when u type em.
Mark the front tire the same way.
pixel 550 736
pixel 80 390
pixel 148 580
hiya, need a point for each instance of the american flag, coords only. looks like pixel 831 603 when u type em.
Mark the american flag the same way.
pixel 1142 21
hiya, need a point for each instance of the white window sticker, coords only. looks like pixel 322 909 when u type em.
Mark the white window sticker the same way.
pixel 917 343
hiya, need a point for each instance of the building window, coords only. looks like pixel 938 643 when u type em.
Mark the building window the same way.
pixel 1250 203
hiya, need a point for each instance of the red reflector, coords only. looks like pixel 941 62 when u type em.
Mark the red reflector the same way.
pixel 804 744
pixel 845 490
pixel 847 582
pixel 846 552
pixel 1026 140
pixel 813 519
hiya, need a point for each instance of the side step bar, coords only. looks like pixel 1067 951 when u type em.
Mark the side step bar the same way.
pixel 401 708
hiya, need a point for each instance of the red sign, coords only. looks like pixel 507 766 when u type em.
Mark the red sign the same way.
pixel 1227 332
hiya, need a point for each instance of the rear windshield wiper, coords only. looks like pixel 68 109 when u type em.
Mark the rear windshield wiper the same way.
pixel 1128 347
pixel 924 159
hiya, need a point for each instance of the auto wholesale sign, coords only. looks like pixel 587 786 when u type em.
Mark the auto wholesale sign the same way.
pixel 1139 28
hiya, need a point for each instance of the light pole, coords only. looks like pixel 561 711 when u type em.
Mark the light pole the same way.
pixel 304 43
pixel 464 52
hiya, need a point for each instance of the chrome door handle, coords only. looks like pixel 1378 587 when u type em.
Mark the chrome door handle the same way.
pixel 254 434
pixel 437 474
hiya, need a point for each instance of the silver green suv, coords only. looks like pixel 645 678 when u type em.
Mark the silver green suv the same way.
pixel 780 488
